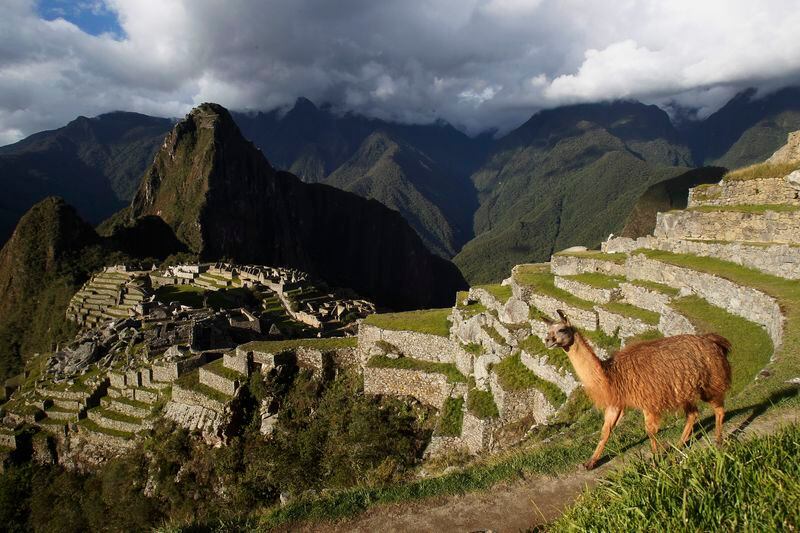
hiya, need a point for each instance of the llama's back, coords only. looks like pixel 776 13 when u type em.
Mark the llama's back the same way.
pixel 671 372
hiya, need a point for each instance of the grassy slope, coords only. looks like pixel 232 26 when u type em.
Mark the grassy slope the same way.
pixel 749 486
pixel 430 321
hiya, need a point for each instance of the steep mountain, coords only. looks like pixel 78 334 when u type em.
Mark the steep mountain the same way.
pixel 50 254
pixel 746 130
pixel 437 205
pixel 39 271
pixel 567 176
pixel 420 170
pixel 223 199
pixel 95 164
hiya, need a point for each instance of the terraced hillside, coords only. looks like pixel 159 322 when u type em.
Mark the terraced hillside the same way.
pixel 728 264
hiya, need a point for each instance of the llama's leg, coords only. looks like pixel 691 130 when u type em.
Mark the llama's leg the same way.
pixel 651 423
pixel 719 417
pixel 612 416
pixel 691 418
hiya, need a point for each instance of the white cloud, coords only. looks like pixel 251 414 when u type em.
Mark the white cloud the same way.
pixel 476 63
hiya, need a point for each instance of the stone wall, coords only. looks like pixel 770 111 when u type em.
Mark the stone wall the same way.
pixel 539 365
pixel 427 387
pixel 745 302
pixel 190 397
pixel 217 382
pixel 169 371
pixel 514 405
pixel 238 361
pixel 111 423
pixel 568 265
pixel 624 326
pixel 673 323
pixel 8 440
pixel 473 330
pixel 415 345
pixel 195 417
pixel 587 292
pixel 771 226
pixel 583 318
pixel 745 192
pixel 320 362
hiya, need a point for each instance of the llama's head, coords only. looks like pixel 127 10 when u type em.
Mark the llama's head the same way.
pixel 560 334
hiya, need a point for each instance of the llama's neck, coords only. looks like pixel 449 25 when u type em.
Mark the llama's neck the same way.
pixel 589 368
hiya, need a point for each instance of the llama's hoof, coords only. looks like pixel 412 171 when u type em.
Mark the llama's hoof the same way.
pixel 589 465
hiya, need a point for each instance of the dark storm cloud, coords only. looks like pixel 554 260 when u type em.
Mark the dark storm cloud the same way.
pixel 476 63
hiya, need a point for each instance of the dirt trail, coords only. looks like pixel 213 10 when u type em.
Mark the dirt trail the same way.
pixel 506 507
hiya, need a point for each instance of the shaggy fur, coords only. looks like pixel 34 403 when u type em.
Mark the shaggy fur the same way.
pixel 655 376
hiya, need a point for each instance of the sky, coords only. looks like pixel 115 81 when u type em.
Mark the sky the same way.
pixel 478 64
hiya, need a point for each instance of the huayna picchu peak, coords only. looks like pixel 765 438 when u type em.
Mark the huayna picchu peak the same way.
pixel 223 199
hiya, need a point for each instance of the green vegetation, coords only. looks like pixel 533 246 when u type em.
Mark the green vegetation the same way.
pixel 617 258
pixel 749 486
pixel 594 279
pixel 494 334
pixel 189 295
pixel 332 343
pixel 761 171
pixel 474 348
pixel 539 278
pixel 649 335
pixel 501 292
pixel 601 339
pixel 656 287
pixel 191 381
pixel 451 418
pixel 481 404
pixel 218 367
pixel 449 370
pixel 620 308
pixel 430 321
pixel 91 425
pixel 742 208
pixel 556 357
pixel 515 376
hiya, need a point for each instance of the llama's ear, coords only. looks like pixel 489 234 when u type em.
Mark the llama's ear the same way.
pixel 564 317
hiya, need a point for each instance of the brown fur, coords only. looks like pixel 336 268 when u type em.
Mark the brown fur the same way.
pixel 655 376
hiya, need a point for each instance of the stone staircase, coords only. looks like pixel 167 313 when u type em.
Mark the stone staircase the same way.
pixel 630 290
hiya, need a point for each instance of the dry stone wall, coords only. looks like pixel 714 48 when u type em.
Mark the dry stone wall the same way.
pixel 514 405
pixel 569 265
pixel 541 366
pixel 745 192
pixel 587 292
pixel 428 387
pixel 770 226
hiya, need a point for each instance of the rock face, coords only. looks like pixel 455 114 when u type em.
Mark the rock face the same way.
pixel 788 153
pixel 223 199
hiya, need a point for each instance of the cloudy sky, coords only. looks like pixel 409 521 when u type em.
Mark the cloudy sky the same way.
pixel 476 63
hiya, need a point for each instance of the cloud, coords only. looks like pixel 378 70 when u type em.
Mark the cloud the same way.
pixel 476 63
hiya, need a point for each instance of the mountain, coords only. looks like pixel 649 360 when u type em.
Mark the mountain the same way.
pixel 39 271
pixel 223 199
pixel 436 204
pixel 422 171
pixel 746 130
pixel 567 176
pixel 93 163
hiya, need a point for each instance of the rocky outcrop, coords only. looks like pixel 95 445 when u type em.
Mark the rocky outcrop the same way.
pixel 788 153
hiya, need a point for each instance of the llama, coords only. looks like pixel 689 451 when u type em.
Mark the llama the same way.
pixel 654 376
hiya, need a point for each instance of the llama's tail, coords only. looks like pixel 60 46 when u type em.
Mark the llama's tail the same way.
pixel 723 343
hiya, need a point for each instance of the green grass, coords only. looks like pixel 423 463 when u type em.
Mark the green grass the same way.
pixel 599 281
pixel 515 376
pixel 556 357
pixel 742 208
pixel 618 258
pixel 649 335
pixel 494 334
pixel 449 370
pixel 92 426
pixel 131 402
pixel 751 345
pixel 474 348
pixel 451 418
pixel 539 278
pixel 430 321
pixel 189 295
pixel 656 287
pixel 749 486
pixel 191 381
pixel 332 343
pixel 628 310
pixel 761 171
pixel 218 367
pixel 501 292
pixel 114 415
pixel 481 404
pixel 610 343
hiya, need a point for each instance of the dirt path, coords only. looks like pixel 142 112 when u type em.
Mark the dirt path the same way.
pixel 506 507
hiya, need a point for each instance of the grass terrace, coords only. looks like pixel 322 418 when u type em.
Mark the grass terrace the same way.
pixel 429 321
pixel 501 292
pixel 655 287
pixel 332 343
pixel 618 258
pixel 599 281
pixel 631 311
pixel 449 370
pixel 556 357
pixel 217 367
pixel 515 376
pixel 189 295
pixel 743 208
pixel 480 403
pixel 93 427
pixel 539 278
pixel 191 381
pixel 761 171
pixel 649 335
